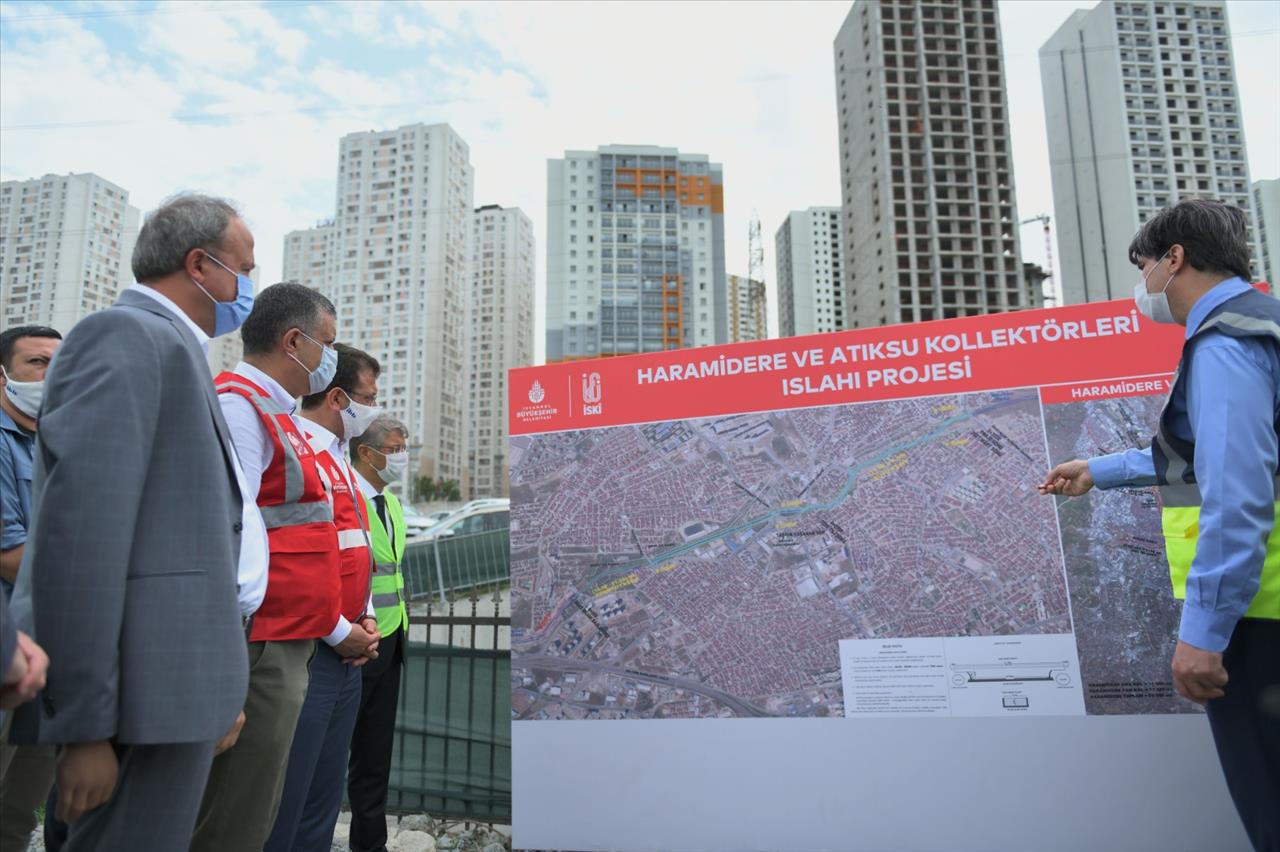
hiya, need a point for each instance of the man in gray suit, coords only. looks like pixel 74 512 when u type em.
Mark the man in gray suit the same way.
pixel 130 570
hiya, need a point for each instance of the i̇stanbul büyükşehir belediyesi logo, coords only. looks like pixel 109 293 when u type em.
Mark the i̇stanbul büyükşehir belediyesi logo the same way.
pixel 536 393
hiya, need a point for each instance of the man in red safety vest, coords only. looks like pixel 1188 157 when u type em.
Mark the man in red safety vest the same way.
pixel 296 596
pixel 318 758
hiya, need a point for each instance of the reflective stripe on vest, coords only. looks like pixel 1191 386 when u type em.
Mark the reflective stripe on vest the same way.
pixel 290 512
pixel 388 581
pixel 348 539
pixel 1249 314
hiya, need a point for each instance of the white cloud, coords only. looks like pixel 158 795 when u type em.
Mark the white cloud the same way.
pixel 410 33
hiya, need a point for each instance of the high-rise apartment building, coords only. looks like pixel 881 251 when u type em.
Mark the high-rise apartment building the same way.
pixel 1266 204
pixel 635 252
pixel 1141 110
pixel 499 337
pixel 807 254
pixel 306 256
pixel 66 245
pixel 930 222
pixel 748 309
pixel 395 261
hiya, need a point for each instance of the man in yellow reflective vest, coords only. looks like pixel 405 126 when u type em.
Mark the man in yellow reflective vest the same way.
pixel 1214 458
pixel 380 457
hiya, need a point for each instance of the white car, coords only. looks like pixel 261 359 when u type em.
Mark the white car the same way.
pixel 476 517
pixel 415 523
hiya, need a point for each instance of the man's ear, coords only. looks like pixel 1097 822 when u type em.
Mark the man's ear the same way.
pixel 1177 257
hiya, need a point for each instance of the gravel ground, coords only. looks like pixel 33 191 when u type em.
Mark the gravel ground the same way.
pixel 413 833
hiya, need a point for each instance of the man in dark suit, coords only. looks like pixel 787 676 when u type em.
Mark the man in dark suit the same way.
pixel 130 569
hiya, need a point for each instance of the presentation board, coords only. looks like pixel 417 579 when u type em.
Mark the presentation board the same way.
pixel 804 594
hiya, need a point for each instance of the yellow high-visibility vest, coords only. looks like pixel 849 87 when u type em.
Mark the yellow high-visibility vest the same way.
pixel 388 582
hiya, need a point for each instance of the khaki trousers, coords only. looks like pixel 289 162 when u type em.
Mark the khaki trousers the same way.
pixel 246 781
pixel 26 774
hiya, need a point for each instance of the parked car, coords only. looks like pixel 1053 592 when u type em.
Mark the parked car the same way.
pixel 416 524
pixel 476 517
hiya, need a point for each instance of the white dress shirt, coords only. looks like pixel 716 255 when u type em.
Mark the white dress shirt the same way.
pixel 367 488
pixel 324 441
pixel 251 573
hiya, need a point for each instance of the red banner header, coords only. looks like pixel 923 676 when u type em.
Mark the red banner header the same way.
pixel 1088 347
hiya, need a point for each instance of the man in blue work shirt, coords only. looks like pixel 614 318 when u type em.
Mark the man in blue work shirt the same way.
pixel 1215 459
pixel 26 772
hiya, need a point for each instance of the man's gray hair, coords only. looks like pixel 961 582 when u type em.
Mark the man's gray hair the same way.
pixel 181 223
pixel 376 435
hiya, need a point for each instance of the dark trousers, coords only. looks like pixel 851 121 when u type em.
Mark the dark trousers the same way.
pixel 154 806
pixel 1246 728
pixel 318 757
pixel 371 745
pixel 55 830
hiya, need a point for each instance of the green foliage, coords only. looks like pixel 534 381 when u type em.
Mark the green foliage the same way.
pixel 427 490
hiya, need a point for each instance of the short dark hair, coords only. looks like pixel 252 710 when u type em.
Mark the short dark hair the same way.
pixel 11 336
pixel 351 363
pixel 1214 236
pixel 180 224
pixel 279 308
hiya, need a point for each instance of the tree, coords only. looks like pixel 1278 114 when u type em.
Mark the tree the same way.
pixel 427 489
pixel 448 489
pixel 424 489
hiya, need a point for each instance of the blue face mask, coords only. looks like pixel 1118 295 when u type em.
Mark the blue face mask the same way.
pixel 319 378
pixel 228 316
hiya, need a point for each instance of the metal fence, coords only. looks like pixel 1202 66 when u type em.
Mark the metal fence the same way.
pixel 452 754
pixel 457 563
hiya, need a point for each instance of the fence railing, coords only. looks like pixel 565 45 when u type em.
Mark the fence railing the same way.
pixel 452 754
pixel 456 563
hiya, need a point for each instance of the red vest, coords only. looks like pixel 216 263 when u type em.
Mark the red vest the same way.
pixel 351 517
pixel 303 589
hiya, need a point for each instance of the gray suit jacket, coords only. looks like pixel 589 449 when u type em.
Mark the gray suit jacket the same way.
pixel 129 573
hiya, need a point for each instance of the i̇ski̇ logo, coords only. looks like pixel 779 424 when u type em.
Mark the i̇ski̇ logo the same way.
pixel 536 393
pixel 591 393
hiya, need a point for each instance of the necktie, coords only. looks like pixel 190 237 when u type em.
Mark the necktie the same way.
pixel 380 503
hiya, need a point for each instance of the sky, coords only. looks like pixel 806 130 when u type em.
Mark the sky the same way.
pixel 247 99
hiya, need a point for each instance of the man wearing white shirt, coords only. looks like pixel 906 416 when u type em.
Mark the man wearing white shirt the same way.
pixel 288 346
pixel 317 760
pixel 380 457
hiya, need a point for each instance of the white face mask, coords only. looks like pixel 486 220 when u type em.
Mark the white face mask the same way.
pixel 356 418
pixel 25 396
pixel 1154 306
pixel 397 464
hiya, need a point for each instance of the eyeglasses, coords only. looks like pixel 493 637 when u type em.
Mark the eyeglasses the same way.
pixel 362 398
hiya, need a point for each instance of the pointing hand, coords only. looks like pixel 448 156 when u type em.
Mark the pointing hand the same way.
pixel 1071 479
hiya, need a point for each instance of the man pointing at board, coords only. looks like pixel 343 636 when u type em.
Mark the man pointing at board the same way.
pixel 1214 459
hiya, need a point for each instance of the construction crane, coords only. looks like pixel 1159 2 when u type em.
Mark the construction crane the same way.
pixel 755 246
pixel 1043 219
pixel 756 305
